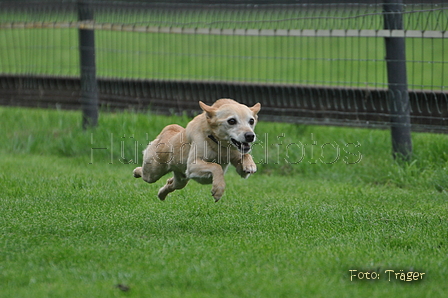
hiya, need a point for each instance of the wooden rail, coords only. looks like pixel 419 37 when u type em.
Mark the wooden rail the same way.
pixel 285 103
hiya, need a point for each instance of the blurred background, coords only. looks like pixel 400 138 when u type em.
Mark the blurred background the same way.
pixel 313 62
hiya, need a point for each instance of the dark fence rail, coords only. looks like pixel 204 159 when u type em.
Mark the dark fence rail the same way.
pixel 286 103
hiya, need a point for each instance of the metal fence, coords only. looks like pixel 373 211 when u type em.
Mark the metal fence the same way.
pixel 314 63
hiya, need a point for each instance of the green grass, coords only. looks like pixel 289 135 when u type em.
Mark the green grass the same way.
pixel 73 226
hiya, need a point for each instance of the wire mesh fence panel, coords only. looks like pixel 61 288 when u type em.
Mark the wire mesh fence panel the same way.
pixel 306 62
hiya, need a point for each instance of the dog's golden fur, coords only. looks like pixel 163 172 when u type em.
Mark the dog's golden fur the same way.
pixel 202 151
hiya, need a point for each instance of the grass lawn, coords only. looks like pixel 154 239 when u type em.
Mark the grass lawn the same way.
pixel 75 223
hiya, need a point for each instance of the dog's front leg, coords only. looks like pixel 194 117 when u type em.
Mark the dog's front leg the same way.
pixel 202 170
pixel 244 165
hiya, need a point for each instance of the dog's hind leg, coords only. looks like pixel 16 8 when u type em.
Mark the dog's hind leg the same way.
pixel 149 175
pixel 178 181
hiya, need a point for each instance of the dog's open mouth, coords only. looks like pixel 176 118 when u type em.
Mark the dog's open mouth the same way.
pixel 242 147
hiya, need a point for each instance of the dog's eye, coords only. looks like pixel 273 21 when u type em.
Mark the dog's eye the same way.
pixel 251 121
pixel 231 121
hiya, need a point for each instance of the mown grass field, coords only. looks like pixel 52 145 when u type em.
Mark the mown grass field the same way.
pixel 75 223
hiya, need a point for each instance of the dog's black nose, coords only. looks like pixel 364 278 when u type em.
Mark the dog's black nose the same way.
pixel 249 136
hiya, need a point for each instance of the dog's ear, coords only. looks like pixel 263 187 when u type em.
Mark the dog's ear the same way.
pixel 210 111
pixel 256 108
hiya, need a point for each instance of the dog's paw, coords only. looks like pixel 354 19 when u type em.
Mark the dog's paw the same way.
pixel 217 192
pixel 249 168
pixel 166 189
pixel 162 193
pixel 137 172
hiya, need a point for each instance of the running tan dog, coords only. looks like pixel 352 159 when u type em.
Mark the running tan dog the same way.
pixel 202 151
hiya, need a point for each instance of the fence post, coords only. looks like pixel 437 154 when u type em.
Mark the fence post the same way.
pixel 398 96
pixel 89 88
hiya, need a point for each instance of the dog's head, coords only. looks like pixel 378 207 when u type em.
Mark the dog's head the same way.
pixel 232 122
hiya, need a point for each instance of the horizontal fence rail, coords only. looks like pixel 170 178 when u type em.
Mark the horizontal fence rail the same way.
pixel 285 103
pixel 88 25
